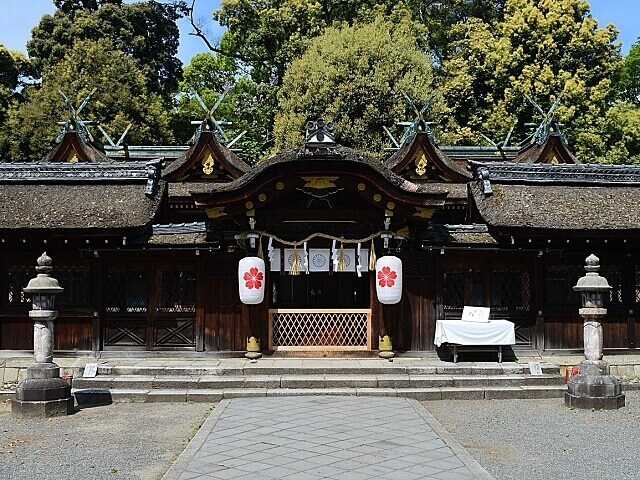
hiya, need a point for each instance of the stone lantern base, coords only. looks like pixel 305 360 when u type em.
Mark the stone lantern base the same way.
pixel 594 387
pixel 42 394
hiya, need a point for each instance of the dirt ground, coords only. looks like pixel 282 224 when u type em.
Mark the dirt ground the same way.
pixel 118 441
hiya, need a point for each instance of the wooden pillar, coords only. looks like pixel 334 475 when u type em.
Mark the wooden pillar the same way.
pixel 199 320
pixel 631 330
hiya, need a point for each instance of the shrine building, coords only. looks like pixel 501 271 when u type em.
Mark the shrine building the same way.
pixel 195 249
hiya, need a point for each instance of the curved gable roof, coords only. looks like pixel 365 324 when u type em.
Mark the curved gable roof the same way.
pixel 206 143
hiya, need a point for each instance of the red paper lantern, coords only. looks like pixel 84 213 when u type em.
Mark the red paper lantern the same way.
pixel 389 279
pixel 251 280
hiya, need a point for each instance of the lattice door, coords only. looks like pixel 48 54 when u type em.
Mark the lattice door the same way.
pixel 329 330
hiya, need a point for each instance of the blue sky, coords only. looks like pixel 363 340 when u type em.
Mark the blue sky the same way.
pixel 17 18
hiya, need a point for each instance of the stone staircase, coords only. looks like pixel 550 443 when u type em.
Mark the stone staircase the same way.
pixel 205 382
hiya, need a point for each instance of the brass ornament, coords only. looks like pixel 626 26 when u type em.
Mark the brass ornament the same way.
pixel 320 182
pixel 421 162
pixel 207 163
pixel 215 212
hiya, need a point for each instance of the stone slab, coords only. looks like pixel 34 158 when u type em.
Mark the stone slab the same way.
pixel 449 393
pixel 322 437
pixel 503 393
pixel 204 395
pixel 44 409
pixel 165 395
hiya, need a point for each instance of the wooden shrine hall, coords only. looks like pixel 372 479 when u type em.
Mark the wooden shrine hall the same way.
pixel 195 249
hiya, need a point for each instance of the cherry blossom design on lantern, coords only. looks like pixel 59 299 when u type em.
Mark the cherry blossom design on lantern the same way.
pixel 387 277
pixel 253 278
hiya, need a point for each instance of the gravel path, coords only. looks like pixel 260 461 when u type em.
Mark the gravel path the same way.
pixel 542 439
pixel 119 441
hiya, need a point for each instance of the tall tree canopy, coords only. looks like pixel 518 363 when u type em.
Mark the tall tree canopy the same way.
pixel 355 76
pixel 15 68
pixel 269 34
pixel 145 31
pixel 629 81
pixel 542 49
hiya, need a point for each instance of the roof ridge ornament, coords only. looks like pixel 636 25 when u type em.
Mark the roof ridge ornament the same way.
pixel 418 124
pixel 74 123
pixel 547 127
pixel 319 140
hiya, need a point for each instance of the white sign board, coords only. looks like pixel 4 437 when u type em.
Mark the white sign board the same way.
pixel 90 370
pixel 476 314
pixel 535 368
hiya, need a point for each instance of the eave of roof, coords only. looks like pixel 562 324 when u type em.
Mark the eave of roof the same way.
pixel 294 161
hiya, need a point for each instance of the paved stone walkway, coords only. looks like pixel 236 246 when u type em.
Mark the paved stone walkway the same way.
pixel 308 438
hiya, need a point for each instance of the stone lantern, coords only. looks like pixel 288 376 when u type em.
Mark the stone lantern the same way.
pixel 43 393
pixel 594 386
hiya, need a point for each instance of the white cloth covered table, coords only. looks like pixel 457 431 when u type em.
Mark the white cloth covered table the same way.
pixel 493 332
pixel 475 335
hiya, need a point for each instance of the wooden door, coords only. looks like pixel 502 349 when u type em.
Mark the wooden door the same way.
pixel 224 323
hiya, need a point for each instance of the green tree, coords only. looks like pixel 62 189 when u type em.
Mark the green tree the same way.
pixel 354 76
pixel 629 82
pixel 146 31
pixel 541 49
pixel 268 34
pixel 621 142
pixel 121 98
pixel 15 73
pixel 439 16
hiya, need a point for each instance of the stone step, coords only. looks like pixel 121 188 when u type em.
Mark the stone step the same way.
pixel 216 382
pixel 96 396
pixel 295 369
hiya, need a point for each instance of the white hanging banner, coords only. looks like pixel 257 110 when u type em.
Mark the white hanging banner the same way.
pixel 305 254
pixel 274 256
pixel 359 265
pixel 334 256
pixel 319 260
pixel 389 279
pixel 251 271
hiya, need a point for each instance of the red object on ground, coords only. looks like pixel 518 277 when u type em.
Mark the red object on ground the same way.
pixel 570 372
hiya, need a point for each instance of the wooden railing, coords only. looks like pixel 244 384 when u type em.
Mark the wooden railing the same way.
pixel 320 329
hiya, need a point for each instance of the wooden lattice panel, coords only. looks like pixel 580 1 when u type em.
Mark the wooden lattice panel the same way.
pixel 339 329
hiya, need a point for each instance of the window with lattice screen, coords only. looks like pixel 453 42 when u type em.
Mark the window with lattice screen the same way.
pixel 463 285
pixel 126 289
pixel 176 289
pixel 510 291
pixel 16 278
pixel 559 281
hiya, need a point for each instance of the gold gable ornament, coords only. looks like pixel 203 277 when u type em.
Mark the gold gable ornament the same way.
pixel 420 160
pixel 207 163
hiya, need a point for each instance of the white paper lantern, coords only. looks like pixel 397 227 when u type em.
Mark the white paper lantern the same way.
pixel 389 279
pixel 251 272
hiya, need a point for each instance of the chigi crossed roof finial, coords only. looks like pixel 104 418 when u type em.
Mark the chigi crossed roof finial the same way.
pixel 74 122
pixel 418 124
pixel 547 126
pixel 211 123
